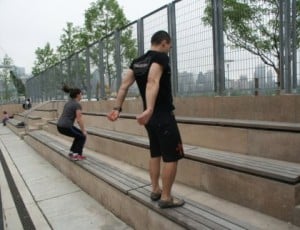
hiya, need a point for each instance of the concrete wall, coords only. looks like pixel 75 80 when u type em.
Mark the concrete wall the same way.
pixel 11 109
pixel 283 108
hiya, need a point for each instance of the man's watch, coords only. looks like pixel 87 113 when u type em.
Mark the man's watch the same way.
pixel 119 109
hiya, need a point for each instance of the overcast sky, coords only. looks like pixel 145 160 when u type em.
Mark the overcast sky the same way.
pixel 26 25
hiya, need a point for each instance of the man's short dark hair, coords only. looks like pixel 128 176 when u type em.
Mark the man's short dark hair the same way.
pixel 159 37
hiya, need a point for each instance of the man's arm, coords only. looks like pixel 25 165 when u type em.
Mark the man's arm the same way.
pixel 152 88
pixel 127 81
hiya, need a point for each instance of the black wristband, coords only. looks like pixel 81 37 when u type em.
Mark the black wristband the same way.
pixel 118 109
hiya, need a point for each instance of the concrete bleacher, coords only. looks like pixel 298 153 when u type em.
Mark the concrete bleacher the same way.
pixel 14 125
pixel 127 195
pixel 250 163
pixel 247 137
pixel 218 171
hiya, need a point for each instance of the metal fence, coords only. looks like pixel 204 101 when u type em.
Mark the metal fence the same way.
pixel 203 60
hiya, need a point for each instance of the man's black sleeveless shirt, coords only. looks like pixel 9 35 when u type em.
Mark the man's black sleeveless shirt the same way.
pixel 141 66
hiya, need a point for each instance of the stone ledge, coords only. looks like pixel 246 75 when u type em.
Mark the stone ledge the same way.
pixel 15 123
pixel 252 124
pixel 268 168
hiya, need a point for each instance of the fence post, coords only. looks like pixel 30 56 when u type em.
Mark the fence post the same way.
pixel 173 51
pixel 218 44
pixel 285 45
pixel 77 70
pixel 69 72
pixel 256 86
pixel 118 59
pixel 294 44
pixel 140 36
pixel 88 72
pixel 101 71
pixel 56 82
pixel 41 86
pixel 61 77
pixel 46 82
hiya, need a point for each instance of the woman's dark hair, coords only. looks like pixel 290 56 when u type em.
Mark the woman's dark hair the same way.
pixel 72 91
pixel 159 37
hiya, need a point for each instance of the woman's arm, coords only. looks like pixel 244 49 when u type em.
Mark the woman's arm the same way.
pixel 80 121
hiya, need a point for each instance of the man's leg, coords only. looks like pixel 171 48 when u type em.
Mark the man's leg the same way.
pixel 154 171
pixel 168 177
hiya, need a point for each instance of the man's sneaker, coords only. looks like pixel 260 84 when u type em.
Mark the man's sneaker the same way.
pixel 73 156
pixel 80 157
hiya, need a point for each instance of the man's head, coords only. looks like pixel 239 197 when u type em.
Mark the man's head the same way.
pixel 161 41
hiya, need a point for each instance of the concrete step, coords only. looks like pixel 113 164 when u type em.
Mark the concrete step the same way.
pixel 49 144
pixel 275 140
pixel 231 176
pixel 19 116
pixel 261 137
pixel 13 124
pixel 47 114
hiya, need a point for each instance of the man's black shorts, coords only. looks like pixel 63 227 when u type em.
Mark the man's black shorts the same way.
pixel 164 137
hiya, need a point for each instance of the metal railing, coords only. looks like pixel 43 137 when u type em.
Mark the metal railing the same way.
pixel 203 60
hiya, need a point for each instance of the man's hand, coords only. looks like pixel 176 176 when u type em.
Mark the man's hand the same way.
pixel 144 117
pixel 113 115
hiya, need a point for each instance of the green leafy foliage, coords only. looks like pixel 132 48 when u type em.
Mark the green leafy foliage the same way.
pixel 45 58
pixel 70 41
pixel 18 84
pixel 102 19
pixel 253 25
pixel 7 89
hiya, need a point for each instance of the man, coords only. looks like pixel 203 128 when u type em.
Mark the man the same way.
pixel 152 73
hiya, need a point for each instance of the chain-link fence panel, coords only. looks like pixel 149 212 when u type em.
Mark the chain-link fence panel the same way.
pixel 219 48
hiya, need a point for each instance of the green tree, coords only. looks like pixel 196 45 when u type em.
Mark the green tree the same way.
pixel 70 41
pixel 18 84
pixel 45 58
pixel 6 86
pixel 101 19
pixel 254 26
pixel 70 44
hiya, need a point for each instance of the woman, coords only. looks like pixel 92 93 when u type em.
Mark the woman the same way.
pixel 73 111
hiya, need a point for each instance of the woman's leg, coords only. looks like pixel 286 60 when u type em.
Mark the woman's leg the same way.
pixel 79 141
pixel 79 138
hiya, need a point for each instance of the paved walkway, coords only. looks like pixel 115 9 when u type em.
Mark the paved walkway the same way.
pixel 51 201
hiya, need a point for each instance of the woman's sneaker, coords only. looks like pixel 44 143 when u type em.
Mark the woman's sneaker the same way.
pixel 80 157
pixel 73 156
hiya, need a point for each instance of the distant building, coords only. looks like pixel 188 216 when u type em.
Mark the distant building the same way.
pixel 243 82
pixel 19 71
pixel 186 82
pixel 260 74
pixel 205 81
pixel 270 79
